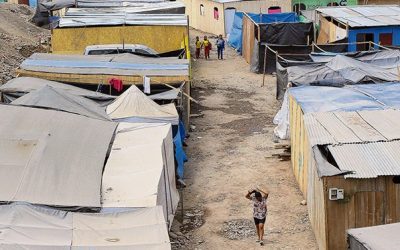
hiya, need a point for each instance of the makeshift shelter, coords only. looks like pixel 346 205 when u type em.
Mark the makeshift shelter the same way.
pixel 96 72
pixel 49 97
pixel 161 32
pixel 140 171
pixel 51 157
pixel 135 107
pixel 383 237
pixel 277 29
pixel 360 25
pixel 25 226
pixel 217 16
pixel 345 157
pixel 109 8
pixel 20 86
pixel 339 70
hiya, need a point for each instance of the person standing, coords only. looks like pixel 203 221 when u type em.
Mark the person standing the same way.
pixel 207 47
pixel 259 199
pixel 220 47
pixel 198 47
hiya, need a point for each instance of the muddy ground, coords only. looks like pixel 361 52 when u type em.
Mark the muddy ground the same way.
pixel 229 151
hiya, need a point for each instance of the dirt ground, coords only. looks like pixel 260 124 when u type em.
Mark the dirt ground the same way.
pixel 19 38
pixel 228 154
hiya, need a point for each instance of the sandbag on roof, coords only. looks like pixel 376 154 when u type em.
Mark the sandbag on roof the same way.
pixel 49 97
pixel 19 86
pixel 140 171
pixel 134 106
pixel 52 157
pixel 25 226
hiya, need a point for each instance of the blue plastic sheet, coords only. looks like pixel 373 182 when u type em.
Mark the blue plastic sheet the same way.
pixel 349 98
pixel 180 155
pixel 235 35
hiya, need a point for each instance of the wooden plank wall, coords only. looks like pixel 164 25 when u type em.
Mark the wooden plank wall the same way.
pixel 299 146
pixel 368 202
pixel 160 38
pixel 248 38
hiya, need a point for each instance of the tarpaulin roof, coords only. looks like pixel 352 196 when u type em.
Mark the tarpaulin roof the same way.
pixel 22 85
pixel 349 98
pixel 124 19
pixel 166 95
pixel 289 17
pixel 121 11
pixel 55 4
pixel 140 171
pixel 111 3
pixel 362 143
pixel 58 99
pixel 383 237
pixel 376 57
pixel 52 157
pixel 364 16
pixel 29 227
pixel 340 71
pixel 121 64
pixel 134 106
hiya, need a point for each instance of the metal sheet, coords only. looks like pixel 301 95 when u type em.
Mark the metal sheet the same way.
pixel 368 160
pixel 364 16
pixel 387 122
pixel 317 134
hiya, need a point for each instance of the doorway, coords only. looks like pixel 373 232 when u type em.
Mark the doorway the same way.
pixel 229 15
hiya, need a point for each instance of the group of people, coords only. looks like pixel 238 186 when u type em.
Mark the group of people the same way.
pixel 206 44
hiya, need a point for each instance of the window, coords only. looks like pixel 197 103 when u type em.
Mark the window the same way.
pixel 201 10
pixel 362 41
pixel 385 39
pixel 274 9
pixel 216 14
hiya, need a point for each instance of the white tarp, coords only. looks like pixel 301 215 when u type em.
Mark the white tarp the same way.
pixel 140 171
pixel 134 106
pixel 24 226
pixel 49 97
pixel 52 157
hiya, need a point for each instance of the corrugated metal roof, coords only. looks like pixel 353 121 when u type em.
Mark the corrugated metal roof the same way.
pixel 352 127
pixel 364 16
pixel 126 19
pixel 368 160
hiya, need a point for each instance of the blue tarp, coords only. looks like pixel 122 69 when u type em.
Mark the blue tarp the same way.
pixel 235 35
pixel 180 155
pixel 349 98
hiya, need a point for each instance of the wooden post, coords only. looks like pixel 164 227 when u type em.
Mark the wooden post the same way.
pixel 265 59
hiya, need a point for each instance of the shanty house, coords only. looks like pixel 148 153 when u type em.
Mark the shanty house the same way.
pixel 360 25
pixel 217 16
pixel 345 153
pixel 299 5
pixel 161 32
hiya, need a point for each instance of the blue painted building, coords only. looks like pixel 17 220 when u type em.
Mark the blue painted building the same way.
pixel 377 24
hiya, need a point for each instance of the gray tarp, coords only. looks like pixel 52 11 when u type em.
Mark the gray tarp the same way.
pixel 52 157
pixel 20 86
pixel 49 97
pixel 51 5
pixel 384 237
pixel 122 64
pixel 166 95
pixel 29 227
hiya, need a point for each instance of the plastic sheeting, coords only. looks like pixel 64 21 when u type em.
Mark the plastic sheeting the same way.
pixel 51 157
pixel 287 33
pixel 49 97
pixel 235 35
pixel 134 106
pixel 20 86
pixel 140 171
pixel 24 226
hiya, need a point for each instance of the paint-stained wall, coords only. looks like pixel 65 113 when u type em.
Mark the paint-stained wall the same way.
pixel 160 38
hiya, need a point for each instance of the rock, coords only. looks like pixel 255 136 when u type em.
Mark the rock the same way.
pixel 173 235
pixel 303 202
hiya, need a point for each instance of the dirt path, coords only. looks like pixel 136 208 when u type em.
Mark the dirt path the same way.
pixel 227 155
